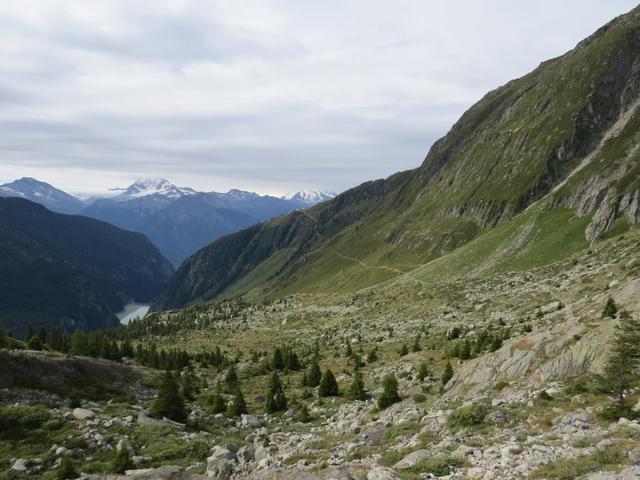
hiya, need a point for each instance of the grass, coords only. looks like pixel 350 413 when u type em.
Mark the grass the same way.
pixel 566 469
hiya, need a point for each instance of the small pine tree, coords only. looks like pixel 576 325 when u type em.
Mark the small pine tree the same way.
pixel 303 415
pixel 357 390
pixel 34 343
pixel 276 400
pixel 465 350
pixel 372 356
pixel 622 371
pixel 121 461
pixel 169 402
pixel 305 380
pixel 293 364
pixel 238 406
pixel 447 374
pixel 187 386
pixel 348 351
pixel 389 394
pixel 328 385
pixel 404 350
pixel 216 402
pixel 610 309
pixel 423 371
pixel 416 344
pixel 315 375
pixel 231 379
pixel 277 363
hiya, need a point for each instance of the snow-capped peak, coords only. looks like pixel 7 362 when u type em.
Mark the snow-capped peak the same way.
pixel 309 197
pixel 146 187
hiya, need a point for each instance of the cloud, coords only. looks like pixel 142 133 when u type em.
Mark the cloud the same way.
pixel 265 95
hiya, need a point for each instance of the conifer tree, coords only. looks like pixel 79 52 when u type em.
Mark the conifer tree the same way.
pixel 610 309
pixel 187 386
pixel 372 356
pixel 169 403
pixel 389 394
pixel 238 406
pixel 277 363
pixel 217 403
pixel 315 375
pixel 303 414
pixel 622 371
pixel 447 374
pixel 276 400
pixel 348 351
pixel 357 390
pixel 231 379
pixel 328 385
pixel 416 344
pixel 423 371
pixel 404 350
pixel 34 343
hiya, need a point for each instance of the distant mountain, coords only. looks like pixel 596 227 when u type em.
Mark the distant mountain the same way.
pixel 71 271
pixel 538 166
pixel 43 193
pixel 181 220
pixel 308 198
pixel 149 187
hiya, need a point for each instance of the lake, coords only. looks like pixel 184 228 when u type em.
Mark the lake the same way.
pixel 132 311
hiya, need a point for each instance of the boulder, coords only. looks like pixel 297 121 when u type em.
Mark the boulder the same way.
pixel 381 474
pixel 246 454
pixel 83 414
pixel 20 465
pixel 413 459
pixel 250 421
pixel 125 444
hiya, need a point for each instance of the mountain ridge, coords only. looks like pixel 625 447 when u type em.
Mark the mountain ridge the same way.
pixel 508 151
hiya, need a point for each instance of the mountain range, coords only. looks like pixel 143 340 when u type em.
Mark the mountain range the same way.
pixel 537 168
pixel 71 271
pixel 178 220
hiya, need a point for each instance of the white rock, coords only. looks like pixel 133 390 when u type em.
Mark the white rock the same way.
pixel 380 474
pixel 83 414
pixel 20 465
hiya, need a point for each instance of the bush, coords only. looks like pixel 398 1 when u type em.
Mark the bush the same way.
pixel 437 466
pixel 610 309
pixel 616 411
pixel 447 374
pixel 469 416
pixel 66 470
pixel 121 461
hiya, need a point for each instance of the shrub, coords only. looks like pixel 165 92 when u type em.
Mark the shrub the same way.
pixel 610 308
pixel 468 416
pixel 423 371
pixel 66 470
pixel 447 374
pixel 404 350
pixel 121 461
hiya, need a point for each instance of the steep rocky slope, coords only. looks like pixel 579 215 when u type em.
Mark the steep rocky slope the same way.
pixel 567 130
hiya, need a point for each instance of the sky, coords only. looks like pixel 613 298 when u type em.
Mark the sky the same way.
pixel 270 96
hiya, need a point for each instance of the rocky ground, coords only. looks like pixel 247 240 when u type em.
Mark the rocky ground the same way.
pixel 529 409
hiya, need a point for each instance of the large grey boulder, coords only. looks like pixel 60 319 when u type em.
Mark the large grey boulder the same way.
pixel 83 414
pixel 221 463
pixel 413 459
pixel 381 474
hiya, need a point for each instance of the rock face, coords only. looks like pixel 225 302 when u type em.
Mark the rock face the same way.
pixel 567 350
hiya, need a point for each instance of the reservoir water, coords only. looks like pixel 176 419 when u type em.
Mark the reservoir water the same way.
pixel 132 311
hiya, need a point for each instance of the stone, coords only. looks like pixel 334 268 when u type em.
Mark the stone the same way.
pixel 20 465
pixel 250 421
pixel 83 414
pixel 246 454
pixel 475 473
pixel 380 474
pixel 413 459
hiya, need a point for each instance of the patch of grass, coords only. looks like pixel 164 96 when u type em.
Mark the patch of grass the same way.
pixel 400 430
pixel 566 469
pixel 468 416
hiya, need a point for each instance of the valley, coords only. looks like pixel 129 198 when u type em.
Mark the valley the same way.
pixel 474 318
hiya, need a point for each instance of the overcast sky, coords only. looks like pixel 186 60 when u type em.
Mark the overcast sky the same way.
pixel 270 96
